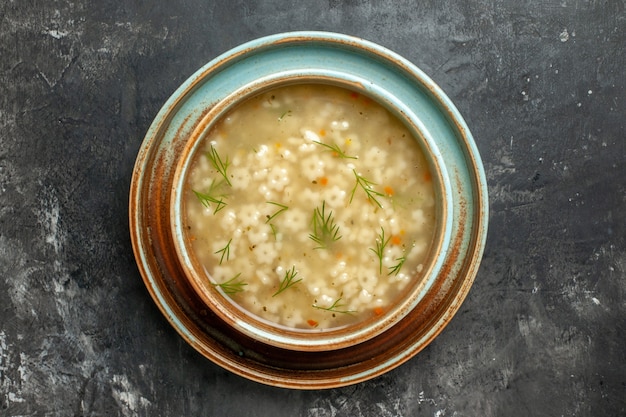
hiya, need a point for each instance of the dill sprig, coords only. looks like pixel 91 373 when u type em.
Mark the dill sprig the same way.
pixel 232 286
pixel 379 251
pixel 396 268
pixel 335 307
pixel 211 197
pixel 288 280
pixel 325 230
pixel 367 186
pixel 225 251
pixel 218 164
pixel 207 200
pixel 336 149
pixel 281 208
pixel 282 116
pixel 274 231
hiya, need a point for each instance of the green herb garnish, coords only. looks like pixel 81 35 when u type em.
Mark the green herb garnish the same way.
pixel 207 199
pixel 288 281
pixel 274 231
pixel 325 230
pixel 212 197
pixel 396 268
pixel 381 243
pixel 367 187
pixel 334 307
pixel 218 164
pixel 232 286
pixel 336 149
pixel 281 207
pixel 287 113
pixel 225 251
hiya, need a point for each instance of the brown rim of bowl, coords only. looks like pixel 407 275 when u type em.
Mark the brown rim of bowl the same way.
pixel 260 329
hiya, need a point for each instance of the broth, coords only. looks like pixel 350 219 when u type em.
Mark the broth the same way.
pixel 310 206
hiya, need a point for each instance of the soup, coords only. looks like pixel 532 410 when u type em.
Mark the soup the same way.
pixel 310 206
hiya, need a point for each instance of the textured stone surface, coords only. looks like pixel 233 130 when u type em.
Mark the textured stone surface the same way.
pixel 541 85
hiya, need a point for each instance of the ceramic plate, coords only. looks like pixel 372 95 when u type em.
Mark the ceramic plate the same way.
pixel 375 70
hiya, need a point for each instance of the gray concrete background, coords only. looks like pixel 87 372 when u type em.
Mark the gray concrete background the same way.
pixel 540 83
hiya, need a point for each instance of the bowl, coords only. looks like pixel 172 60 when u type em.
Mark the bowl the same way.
pixel 312 91
pixel 257 348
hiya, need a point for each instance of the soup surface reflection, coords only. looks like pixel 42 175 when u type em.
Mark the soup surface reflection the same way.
pixel 310 206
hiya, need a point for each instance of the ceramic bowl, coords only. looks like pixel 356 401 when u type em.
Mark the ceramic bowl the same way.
pixel 241 342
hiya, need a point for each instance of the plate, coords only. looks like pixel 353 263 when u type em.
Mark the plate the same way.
pixel 291 55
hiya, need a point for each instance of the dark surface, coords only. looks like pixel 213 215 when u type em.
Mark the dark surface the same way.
pixel 541 85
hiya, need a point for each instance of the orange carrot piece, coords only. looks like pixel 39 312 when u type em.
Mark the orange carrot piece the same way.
pixel 389 191
pixel 312 323
pixel 378 311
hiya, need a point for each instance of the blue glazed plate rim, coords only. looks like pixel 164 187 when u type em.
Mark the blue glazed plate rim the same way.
pixel 440 118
